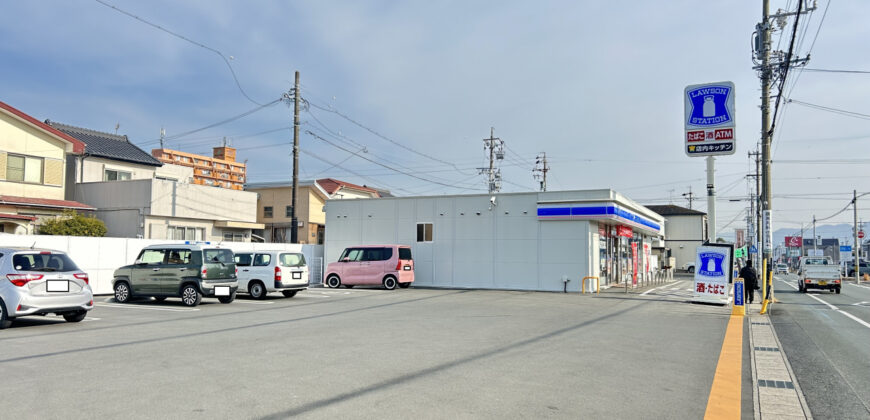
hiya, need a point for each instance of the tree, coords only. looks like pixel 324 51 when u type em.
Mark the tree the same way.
pixel 73 224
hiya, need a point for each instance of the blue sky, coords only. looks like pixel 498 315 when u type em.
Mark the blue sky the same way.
pixel 596 85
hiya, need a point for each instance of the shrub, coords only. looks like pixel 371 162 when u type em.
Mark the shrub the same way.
pixel 73 224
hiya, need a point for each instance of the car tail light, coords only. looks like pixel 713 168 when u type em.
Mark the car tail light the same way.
pixel 22 279
pixel 204 272
pixel 82 276
pixel 808 281
pixel 398 265
pixel 836 281
pixel 278 273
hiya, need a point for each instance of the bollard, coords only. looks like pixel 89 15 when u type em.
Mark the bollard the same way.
pixel 597 284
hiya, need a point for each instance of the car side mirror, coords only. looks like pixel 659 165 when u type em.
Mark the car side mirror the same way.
pixel 345 259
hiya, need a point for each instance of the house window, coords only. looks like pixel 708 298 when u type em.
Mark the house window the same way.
pixel 288 211
pixel 267 212
pixel 424 232
pixel 185 233
pixel 113 175
pixel 233 237
pixel 24 169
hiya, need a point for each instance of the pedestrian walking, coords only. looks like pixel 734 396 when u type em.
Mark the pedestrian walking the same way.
pixel 750 280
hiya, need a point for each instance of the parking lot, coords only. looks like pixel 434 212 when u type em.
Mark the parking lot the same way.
pixel 369 353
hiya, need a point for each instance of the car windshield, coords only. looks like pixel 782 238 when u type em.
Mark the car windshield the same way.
pixel 292 260
pixel 43 261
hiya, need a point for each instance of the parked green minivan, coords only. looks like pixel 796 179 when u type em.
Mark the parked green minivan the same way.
pixel 189 271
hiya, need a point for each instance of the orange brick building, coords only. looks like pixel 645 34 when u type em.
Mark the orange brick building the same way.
pixel 222 170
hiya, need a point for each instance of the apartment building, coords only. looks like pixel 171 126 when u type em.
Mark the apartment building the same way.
pixel 221 170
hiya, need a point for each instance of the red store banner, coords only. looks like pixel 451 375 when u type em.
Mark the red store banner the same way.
pixel 624 231
pixel 634 263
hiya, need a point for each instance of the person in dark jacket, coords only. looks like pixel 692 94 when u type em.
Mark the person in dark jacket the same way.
pixel 750 280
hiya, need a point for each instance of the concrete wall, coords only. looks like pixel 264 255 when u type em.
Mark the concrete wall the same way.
pixel 473 247
pixel 99 257
pixel 174 199
pixel 684 235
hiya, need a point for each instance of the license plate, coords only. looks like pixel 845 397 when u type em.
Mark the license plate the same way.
pixel 823 283
pixel 297 275
pixel 57 286
pixel 222 290
pixel 407 268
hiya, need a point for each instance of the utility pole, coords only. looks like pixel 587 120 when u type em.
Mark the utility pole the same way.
pixel 857 244
pixel 495 146
pixel 541 159
pixel 711 199
pixel 294 221
pixel 756 208
pixel 766 73
pixel 690 196
pixel 814 237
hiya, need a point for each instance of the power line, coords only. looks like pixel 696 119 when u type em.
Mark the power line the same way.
pixel 311 133
pixel 833 110
pixel 222 122
pixel 839 71
pixel 182 37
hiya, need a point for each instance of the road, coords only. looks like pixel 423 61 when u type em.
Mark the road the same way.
pixel 371 353
pixel 826 338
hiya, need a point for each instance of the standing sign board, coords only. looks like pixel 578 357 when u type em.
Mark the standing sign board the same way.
pixel 709 118
pixel 713 273
pixel 793 241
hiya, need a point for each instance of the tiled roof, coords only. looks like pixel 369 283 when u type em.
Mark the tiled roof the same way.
pixel 16 217
pixel 43 202
pixel 78 146
pixel 672 210
pixel 331 185
pixel 107 145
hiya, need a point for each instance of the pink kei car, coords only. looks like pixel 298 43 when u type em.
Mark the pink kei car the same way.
pixel 389 265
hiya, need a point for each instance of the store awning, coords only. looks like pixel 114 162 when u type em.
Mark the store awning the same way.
pixel 229 224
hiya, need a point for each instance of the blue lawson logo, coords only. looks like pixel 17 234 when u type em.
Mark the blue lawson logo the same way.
pixel 709 106
pixel 711 264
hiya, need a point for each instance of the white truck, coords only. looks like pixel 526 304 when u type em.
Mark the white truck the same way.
pixel 818 273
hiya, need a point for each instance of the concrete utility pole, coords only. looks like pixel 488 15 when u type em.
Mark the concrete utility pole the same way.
pixel 689 196
pixel 756 209
pixel 495 146
pixel 543 169
pixel 764 33
pixel 294 221
pixel 857 245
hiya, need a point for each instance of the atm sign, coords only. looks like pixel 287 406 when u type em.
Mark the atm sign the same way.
pixel 711 135
pixel 724 134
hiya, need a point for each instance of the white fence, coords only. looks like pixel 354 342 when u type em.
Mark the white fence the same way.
pixel 99 257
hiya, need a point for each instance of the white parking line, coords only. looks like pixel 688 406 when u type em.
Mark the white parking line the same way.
pixel 149 308
pixel 859 285
pixel 853 317
pixel 252 302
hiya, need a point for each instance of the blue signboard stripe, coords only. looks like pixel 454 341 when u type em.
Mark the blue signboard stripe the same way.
pixel 597 211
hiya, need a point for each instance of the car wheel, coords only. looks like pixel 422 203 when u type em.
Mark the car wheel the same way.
pixel 227 299
pixel 405 285
pixel 5 321
pixel 691 269
pixel 837 291
pixel 122 292
pixel 289 293
pixel 257 290
pixel 333 282
pixel 159 298
pixel 190 296
pixel 390 283
pixel 349 286
pixel 75 316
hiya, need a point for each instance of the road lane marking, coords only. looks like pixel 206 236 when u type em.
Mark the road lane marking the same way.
pixel 859 285
pixel 853 317
pixel 149 308
pixel 253 303
pixel 725 396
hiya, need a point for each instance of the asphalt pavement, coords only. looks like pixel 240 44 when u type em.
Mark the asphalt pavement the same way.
pixel 371 353
pixel 826 338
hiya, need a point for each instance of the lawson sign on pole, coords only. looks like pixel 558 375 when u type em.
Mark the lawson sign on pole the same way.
pixel 713 273
pixel 709 118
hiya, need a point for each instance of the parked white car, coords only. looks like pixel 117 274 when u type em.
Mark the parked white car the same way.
pixel 689 266
pixel 262 272
pixel 40 282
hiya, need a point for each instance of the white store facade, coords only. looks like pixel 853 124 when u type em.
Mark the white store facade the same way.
pixel 516 241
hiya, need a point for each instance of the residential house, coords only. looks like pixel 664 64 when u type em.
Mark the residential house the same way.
pixel 274 207
pixel 33 156
pixel 685 230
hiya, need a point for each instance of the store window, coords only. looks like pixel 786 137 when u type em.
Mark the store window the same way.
pixel 24 169
pixel 114 175
pixel 424 232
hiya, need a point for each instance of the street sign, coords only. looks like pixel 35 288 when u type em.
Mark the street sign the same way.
pixel 739 252
pixel 793 241
pixel 860 234
pixel 767 246
pixel 845 248
pixel 713 271
pixel 709 119
pixel 753 249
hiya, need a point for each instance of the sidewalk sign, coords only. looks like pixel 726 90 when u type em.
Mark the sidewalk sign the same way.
pixel 713 273
pixel 739 307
